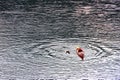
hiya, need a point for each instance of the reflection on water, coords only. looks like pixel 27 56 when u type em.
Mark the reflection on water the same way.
pixel 34 36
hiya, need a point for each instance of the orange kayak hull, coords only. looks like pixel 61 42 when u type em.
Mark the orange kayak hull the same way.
pixel 80 53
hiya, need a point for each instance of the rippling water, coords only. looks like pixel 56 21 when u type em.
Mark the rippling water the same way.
pixel 34 36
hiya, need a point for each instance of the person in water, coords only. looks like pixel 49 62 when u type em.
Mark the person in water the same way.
pixel 79 52
pixel 68 52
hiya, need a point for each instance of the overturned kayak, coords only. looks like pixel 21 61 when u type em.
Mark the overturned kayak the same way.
pixel 80 53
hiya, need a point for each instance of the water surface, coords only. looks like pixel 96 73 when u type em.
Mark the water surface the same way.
pixel 34 36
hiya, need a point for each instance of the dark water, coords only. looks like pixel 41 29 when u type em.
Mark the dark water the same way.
pixel 34 36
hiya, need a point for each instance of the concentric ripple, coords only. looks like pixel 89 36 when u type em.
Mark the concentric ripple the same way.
pixel 49 56
pixel 55 50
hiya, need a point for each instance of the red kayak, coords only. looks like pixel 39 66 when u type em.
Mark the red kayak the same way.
pixel 80 53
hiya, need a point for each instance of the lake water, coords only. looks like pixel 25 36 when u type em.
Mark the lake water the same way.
pixel 34 36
